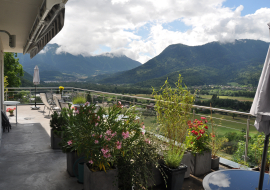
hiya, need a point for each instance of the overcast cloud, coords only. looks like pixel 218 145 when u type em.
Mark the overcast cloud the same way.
pixel 142 29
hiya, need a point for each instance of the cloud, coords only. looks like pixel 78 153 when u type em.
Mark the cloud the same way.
pixel 118 24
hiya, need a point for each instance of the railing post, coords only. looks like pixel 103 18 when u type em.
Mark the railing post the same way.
pixel 193 114
pixel 6 95
pixel 247 137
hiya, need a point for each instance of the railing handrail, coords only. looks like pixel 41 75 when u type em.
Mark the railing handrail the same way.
pixel 137 97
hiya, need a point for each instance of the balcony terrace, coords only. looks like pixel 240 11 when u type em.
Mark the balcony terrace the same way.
pixel 27 160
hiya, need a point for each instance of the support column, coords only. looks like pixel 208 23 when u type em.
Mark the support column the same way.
pixel 1 84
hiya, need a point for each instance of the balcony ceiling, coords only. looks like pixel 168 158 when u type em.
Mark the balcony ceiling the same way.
pixel 17 17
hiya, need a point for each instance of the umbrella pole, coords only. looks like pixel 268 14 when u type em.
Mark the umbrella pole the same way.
pixel 264 156
pixel 36 96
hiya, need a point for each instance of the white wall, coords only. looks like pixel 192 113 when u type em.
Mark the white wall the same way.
pixel 1 84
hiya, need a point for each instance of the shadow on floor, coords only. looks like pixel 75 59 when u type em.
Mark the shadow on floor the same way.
pixel 28 162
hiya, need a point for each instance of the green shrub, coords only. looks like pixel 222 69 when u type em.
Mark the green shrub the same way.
pixel 78 100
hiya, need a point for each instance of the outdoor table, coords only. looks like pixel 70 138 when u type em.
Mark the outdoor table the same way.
pixel 65 98
pixel 234 179
pixel 11 103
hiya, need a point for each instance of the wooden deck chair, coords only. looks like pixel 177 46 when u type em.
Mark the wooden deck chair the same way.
pixel 47 105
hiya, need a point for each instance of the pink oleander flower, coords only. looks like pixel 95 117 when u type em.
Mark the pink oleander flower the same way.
pixel 86 103
pixel 77 111
pixel 125 135
pixel 91 162
pixel 98 118
pixel 118 145
pixel 69 142
pixel 122 106
pixel 96 141
pixel 114 134
pixel 96 124
pixel 104 151
pixel 143 133
pixel 109 132
pixel 93 135
pixel 143 127
pixel 100 136
pixel 107 138
pixel 107 155
pixel 119 102
pixel 147 141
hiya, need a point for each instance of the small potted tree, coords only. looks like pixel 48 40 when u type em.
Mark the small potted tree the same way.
pixel 173 106
pixel 58 124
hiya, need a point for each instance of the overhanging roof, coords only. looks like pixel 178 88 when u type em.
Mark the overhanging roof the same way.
pixel 34 22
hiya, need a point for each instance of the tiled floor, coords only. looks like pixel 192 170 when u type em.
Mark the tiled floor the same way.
pixel 27 161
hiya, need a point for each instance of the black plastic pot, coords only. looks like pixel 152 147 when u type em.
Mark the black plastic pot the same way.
pixel 175 176
pixel 215 163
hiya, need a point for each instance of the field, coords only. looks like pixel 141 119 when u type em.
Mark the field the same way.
pixel 225 123
pixel 205 97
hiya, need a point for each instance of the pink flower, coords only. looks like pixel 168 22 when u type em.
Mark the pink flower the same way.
pixel 119 102
pixel 202 117
pixel 86 103
pixel 96 124
pixel 125 135
pixel 96 141
pixel 143 133
pixel 77 111
pixel 69 142
pixel 114 134
pixel 100 136
pixel 122 106
pixel 104 151
pixel 107 138
pixel 98 118
pixel 91 162
pixel 143 127
pixel 147 141
pixel 109 132
pixel 118 145
pixel 93 135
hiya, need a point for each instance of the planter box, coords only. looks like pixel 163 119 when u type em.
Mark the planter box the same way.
pixel 215 163
pixel 71 159
pixel 55 140
pixel 200 163
pixel 100 180
pixel 175 176
pixel 157 178
pixel 186 160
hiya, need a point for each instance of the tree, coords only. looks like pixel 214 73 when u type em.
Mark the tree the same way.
pixel 12 69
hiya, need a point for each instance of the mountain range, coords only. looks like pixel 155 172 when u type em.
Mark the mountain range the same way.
pixel 65 66
pixel 212 63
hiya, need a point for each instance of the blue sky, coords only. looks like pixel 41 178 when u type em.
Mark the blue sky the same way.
pixel 141 29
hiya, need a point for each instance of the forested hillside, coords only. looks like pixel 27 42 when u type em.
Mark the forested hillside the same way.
pixel 212 63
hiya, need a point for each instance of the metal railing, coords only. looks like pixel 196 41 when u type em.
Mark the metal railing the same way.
pixel 128 99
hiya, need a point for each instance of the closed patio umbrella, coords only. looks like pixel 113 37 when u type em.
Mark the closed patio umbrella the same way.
pixel 36 81
pixel 261 109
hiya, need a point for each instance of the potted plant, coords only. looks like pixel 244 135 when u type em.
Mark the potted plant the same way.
pixel 106 141
pixel 78 101
pixel 11 111
pixel 197 142
pixel 61 89
pixel 58 123
pixel 173 106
